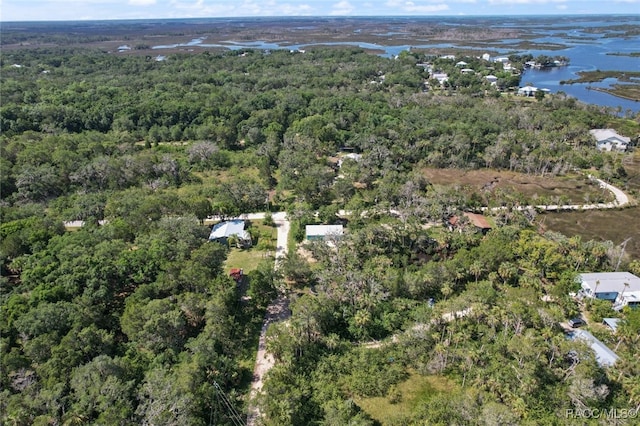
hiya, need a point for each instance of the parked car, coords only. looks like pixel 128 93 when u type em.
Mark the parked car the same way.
pixel 576 322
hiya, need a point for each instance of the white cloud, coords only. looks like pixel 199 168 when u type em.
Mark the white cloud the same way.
pixel 342 8
pixel 296 9
pixel 513 2
pixel 411 7
pixel 200 8
pixel 142 2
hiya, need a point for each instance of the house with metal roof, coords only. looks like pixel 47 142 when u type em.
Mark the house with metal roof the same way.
pixel 604 356
pixel 610 140
pixel 479 221
pixel 612 323
pixel 608 285
pixel 222 231
pixel 527 91
pixel 323 232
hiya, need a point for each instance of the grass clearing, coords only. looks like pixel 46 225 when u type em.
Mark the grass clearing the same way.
pixel 600 225
pixel 604 225
pixel 263 248
pixel 574 189
pixel 414 392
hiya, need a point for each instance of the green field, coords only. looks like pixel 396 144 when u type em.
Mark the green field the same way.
pixel 263 248
pixel 414 391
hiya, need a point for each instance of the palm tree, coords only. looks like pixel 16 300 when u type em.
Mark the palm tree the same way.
pixel 626 285
pixel 476 268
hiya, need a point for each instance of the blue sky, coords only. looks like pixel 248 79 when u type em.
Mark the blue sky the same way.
pixel 39 10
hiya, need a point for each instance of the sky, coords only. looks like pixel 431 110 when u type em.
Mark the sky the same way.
pixel 49 10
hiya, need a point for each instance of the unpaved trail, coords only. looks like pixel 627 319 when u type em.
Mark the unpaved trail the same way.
pixel 277 311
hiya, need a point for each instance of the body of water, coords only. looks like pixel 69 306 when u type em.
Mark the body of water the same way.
pixel 589 43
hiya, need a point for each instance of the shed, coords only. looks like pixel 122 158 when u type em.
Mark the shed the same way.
pixel 611 322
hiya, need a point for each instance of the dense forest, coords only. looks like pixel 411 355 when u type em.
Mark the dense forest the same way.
pixel 133 319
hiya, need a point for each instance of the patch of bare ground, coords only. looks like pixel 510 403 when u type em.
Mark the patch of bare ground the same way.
pixel 306 254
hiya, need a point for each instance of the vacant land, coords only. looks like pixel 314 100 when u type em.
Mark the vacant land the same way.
pixel 408 398
pixel 572 189
pixel 600 225
pixel 604 225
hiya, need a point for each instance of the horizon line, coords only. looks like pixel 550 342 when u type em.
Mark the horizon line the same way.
pixel 522 15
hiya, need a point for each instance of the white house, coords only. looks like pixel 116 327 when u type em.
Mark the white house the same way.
pixel 527 91
pixel 610 140
pixel 491 79
pixel 323 232
pixel 628 298
pixel 610 285
pixel 223 230
pixel 351 156
pixel 441 77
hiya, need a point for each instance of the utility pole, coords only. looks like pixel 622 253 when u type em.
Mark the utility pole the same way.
pixel 623 246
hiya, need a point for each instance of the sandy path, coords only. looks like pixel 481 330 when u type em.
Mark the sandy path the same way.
pixel 278 310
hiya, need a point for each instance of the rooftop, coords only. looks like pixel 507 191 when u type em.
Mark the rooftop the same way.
pixel 229 228
pixel 324 230
pixel 611 322
pixel 604 356
pixel 611 282
pixel 606 134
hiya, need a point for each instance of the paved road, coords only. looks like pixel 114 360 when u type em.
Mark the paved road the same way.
pixel 621 198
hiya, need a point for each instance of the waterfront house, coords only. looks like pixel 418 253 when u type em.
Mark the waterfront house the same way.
pixel 477 220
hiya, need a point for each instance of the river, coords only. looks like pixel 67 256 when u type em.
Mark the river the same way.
pixel 588 42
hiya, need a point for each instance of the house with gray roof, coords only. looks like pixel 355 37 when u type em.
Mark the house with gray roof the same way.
pixel 610 140
pixel 605 357
pixel 608 285
pixel 222 231
pixel 323 232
